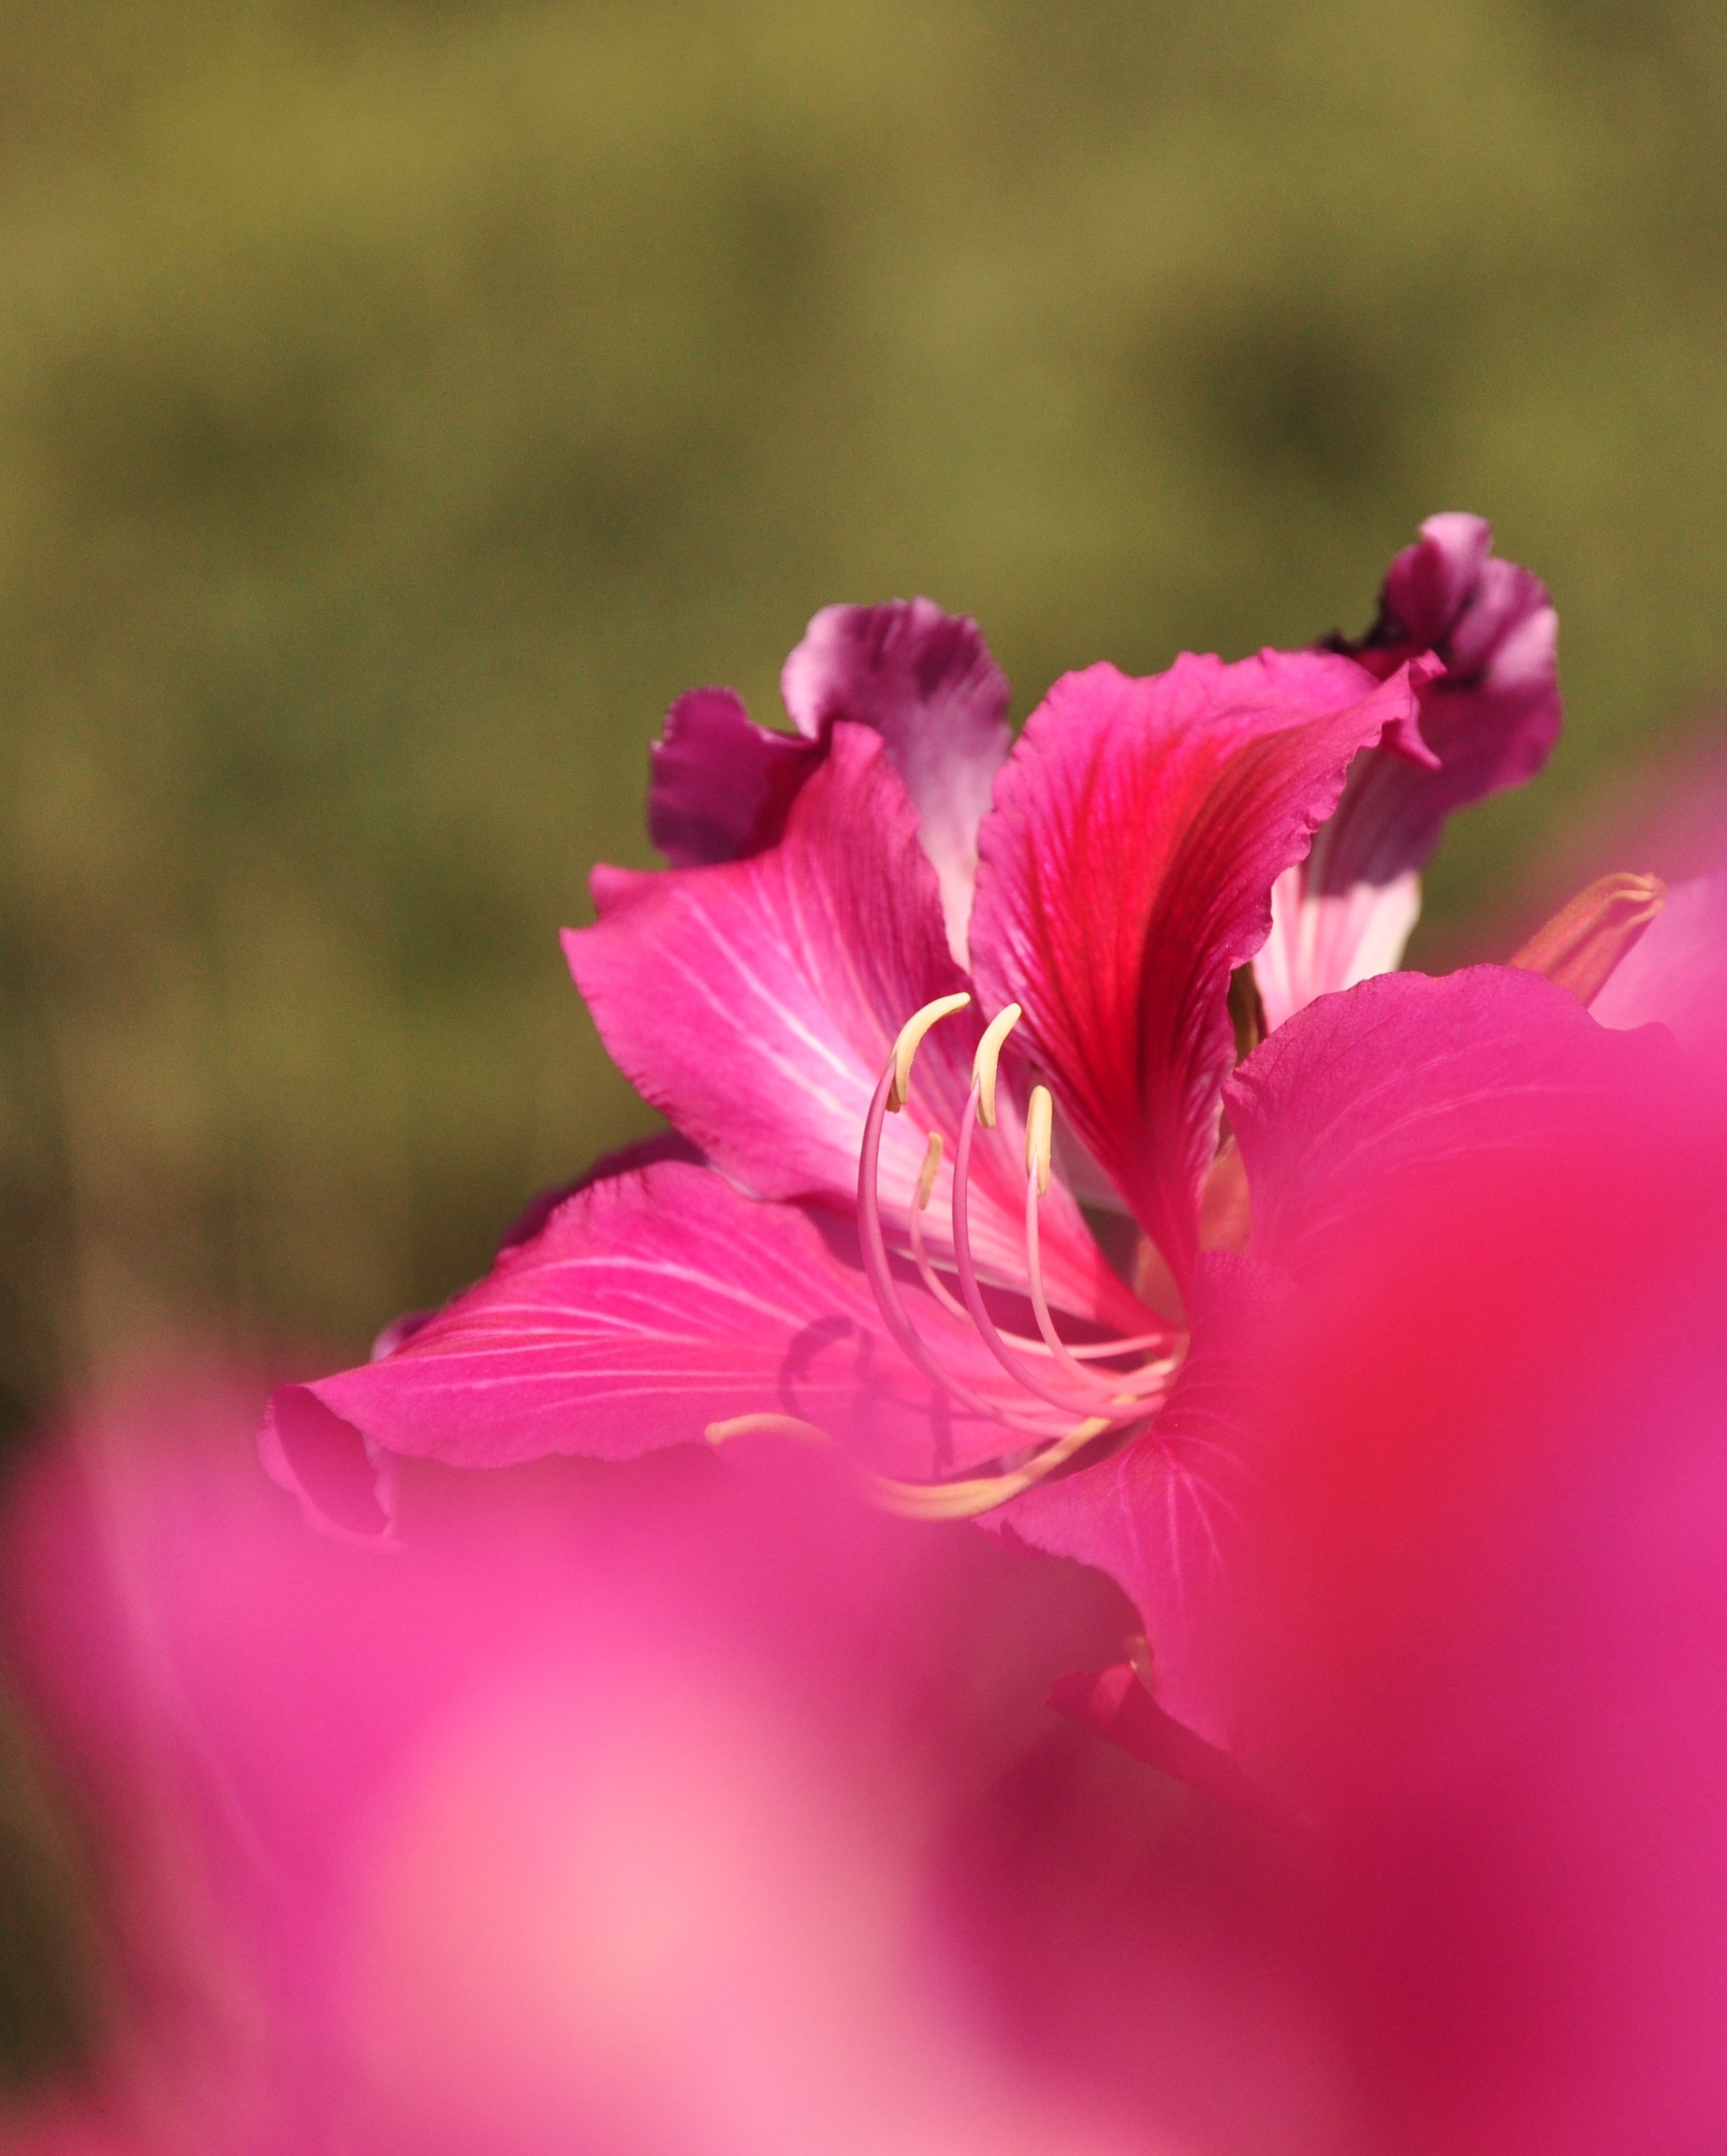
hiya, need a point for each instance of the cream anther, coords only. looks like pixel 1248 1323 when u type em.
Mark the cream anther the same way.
pixel 928 1173
pixel 911 1034
pixel 1038 1117
pixel 988 1055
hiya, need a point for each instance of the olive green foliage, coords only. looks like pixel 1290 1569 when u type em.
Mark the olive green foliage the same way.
pixel 53 1992
pixel 400 404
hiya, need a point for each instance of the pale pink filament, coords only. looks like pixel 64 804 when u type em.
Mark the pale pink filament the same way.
pixel 1109 1398
pixel 972 1294
pixel 1150 1375
pixel 1092 1351
pixel 886 1289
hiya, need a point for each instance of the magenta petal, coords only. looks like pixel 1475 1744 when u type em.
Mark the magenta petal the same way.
pixel 1126 870
pixel 721 786
pixel 1368 1100
pixel 1429 586
pixel 612 888
pixel 650 1306
pixel 1162 1517
pixel 345 1485
pixel 1490 717
pixel 926 682
pixel 1675 974
pixel 756 1004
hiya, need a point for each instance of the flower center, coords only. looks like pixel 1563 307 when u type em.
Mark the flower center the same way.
pixel 1063 1396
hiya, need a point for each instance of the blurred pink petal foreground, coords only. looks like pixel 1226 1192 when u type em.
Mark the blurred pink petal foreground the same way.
pixel 657 1811
pixel 604 1820
pixel 1485 1619
pixel 911 999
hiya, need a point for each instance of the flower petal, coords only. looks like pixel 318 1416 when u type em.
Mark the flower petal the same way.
pixel 755 1003
pixel 1366 1099
pixel 665 1144
pixel 1676 973
pixel 1162 1517
pixel 344 1483
pixel 1126 870
pixel 650 1305
pixel 1490 720
pixel 721 786
pixel 926 682
pixel 1344 1117
pixel 1321 942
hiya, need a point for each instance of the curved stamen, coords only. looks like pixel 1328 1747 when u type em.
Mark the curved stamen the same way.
pixel 986 1062
pixel 1118 1390
pixel 766 1425
pixel 1148 1376
pixel 1097 1351
pixel 972 1294
pixel 1088 1351
pixel 912 1034
pixel 937 1289
pixel 927 1174
pixel 1108 1400
pixel 921 1501
pixel 886 1289
pixel 981 1493
pixel 1038 1117
pixel 1039 1124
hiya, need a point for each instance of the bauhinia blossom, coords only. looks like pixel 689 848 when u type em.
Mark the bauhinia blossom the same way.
pixel 908 996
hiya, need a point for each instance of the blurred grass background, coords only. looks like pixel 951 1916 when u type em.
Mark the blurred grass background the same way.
pixel 400 402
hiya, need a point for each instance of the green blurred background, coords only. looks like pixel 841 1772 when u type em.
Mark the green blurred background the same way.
pixel 400 402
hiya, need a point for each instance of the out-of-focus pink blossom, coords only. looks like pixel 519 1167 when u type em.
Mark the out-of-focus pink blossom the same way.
pixel 1347 1117
pixel 1490 1597
pixel 663 1809
pixel 611 1815
pixel 1481 1591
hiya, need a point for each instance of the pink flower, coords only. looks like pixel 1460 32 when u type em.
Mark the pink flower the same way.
pixel 868 1228
pixel 612 1816
pixel 1484 1614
